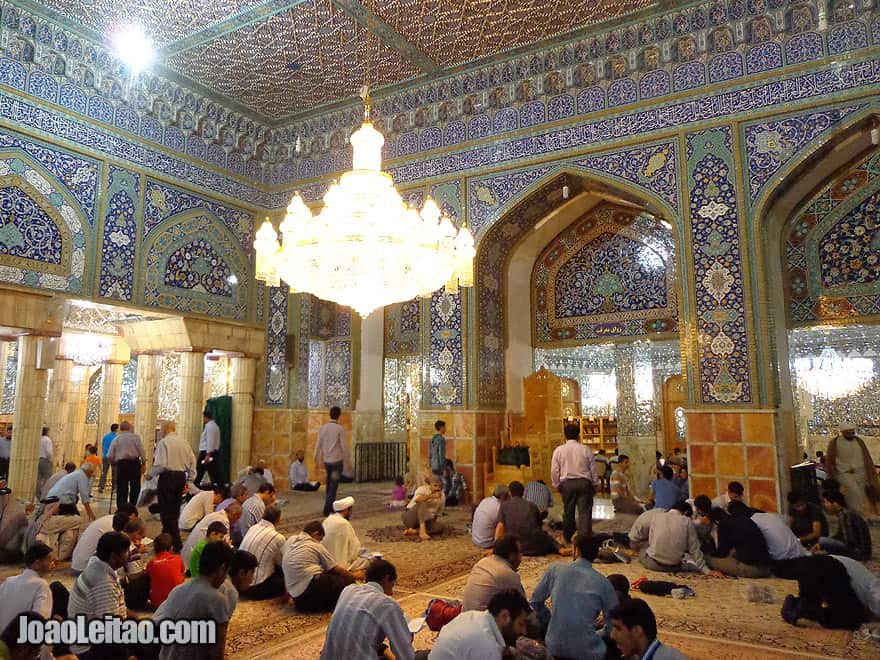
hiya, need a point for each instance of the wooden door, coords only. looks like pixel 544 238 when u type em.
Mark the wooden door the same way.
pixel 674 403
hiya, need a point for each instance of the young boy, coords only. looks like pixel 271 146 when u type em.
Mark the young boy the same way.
pixel 165 570
pixel 216 532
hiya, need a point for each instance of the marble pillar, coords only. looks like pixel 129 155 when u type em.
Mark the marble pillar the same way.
pixel 58 407
pixel 111 392
pixel 242 388
pixel 146 410
pixel 4 358
pixel 635 426
pixel 368 419
pixel 192 402
pixel 78 403
pixel 30 404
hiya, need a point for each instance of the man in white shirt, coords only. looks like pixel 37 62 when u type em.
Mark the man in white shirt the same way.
pixel 28 591
pixel 298 476
pixel 332 448
pixel 365 616
pixel 341 539
pixel 266 543
pixel 735 493
pixel 76 485
pixel 673 544
pixel 312 577
pixel 864 583
pixel 175 464
pixel 200 505
pixel 478 635
pixel 228 517
pixel 44 467
pixel 573 472
pixel 209 451
pixel 88 540
pixel 486 518
pixel 497 572
pixel 255 506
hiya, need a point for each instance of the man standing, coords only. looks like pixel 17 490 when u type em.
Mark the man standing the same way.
pixel 209 450
pixel 365 616
pixel 44 467
pixel 106 441
pixel 622 495
pixel 127 454
pixel 174 461
pixel 849 462
pixel 341 539
pixel 573 472
pixel 578 593
pixel 437 449
pixel 298 474
pixel 331 446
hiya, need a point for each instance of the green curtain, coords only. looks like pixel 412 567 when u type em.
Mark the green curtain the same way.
pixel 220 408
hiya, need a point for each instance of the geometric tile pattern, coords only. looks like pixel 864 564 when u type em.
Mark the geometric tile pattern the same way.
pixel 722 319
pixel 337 373
pixel 772 145
pixel 611 273
pixel 316 373
pixel 120 237
pixel 446 351
pixel 403 328
pixel 276 339
pixel 832 251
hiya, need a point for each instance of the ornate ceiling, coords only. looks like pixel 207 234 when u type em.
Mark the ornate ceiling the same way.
pixel 284 57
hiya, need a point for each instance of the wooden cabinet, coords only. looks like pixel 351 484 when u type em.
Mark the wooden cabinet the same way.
pixel 597 431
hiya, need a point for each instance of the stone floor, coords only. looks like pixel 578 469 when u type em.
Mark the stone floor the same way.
pixel 719 623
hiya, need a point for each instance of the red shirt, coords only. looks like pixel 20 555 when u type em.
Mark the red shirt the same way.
pixel 166 572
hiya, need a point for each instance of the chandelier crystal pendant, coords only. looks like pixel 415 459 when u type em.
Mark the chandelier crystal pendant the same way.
pixel 366 248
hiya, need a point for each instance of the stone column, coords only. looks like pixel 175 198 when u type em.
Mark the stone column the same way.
pixel 4 358
pixel 192 403
pixel 242 389
pixel 57 407
pixel 78 402
pixel 111 392
pixel 368 421
pixel 30 403
pixel 146 410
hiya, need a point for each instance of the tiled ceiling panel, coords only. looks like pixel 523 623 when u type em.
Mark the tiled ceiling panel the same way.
pixel 309 55
pixel 455 31
pixel 164 21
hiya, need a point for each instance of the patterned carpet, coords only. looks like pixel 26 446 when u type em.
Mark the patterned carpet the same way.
pixel 719 622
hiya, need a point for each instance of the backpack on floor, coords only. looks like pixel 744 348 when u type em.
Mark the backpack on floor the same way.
pixel 440 612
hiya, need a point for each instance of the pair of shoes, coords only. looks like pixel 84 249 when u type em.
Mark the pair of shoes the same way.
pixel 791 609
pixel 623 557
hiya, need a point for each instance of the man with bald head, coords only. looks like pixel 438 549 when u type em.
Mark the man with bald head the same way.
pixel 228 517
pixel 175 463
pixel 76 485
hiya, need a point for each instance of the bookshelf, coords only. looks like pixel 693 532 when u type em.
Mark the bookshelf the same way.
pixel 597 431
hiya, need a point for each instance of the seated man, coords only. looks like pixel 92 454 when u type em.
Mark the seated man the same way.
pixel 58 531
pixel 808 521
pixel 266 543
pixel 735 493
pixel 664 492
pixel 454 487
pixel 521 519
pixel 702 523
pixel 634 630
pixel 135 581
pixel 420 515
pixel 299 474
pixel 201 599
pixel 478 635
pixel 622 495
pixel 228 517
pixel 237 494
pixel 853 538
pixel 240 579
pixel 673 544
pixel 742 550
pixel 200 505
pixel 825 595
pixel 370 610
pixel 492 574
pixel 13 525
pixel 88 540
pixel 313 579
pixel 255 506
pixel 28 591
pixel 55 478
pixel 579 594
pixel 341 539
pixel 217 531
pixel 539 494
pixel 74 486
pixel 782 544
pixel 252 480
pixel 486 518
pixel 865 584
pixel 640 531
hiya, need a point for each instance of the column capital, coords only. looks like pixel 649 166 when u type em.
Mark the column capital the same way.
pixel 111 361
pixel 148 353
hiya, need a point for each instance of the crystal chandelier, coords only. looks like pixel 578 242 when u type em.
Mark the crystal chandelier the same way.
pixel 87 349
pixel 366 248
pixel 831 376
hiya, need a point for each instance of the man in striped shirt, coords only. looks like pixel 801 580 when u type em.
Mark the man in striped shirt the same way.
pixel 365 616
pixel 267 544
pixel 97 593
pixel 539 494
pixel 255 506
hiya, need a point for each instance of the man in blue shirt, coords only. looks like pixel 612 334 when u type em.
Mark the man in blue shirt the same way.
pixel 437 450
pixel 105 464
pixel 664 492
pixel 579 592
